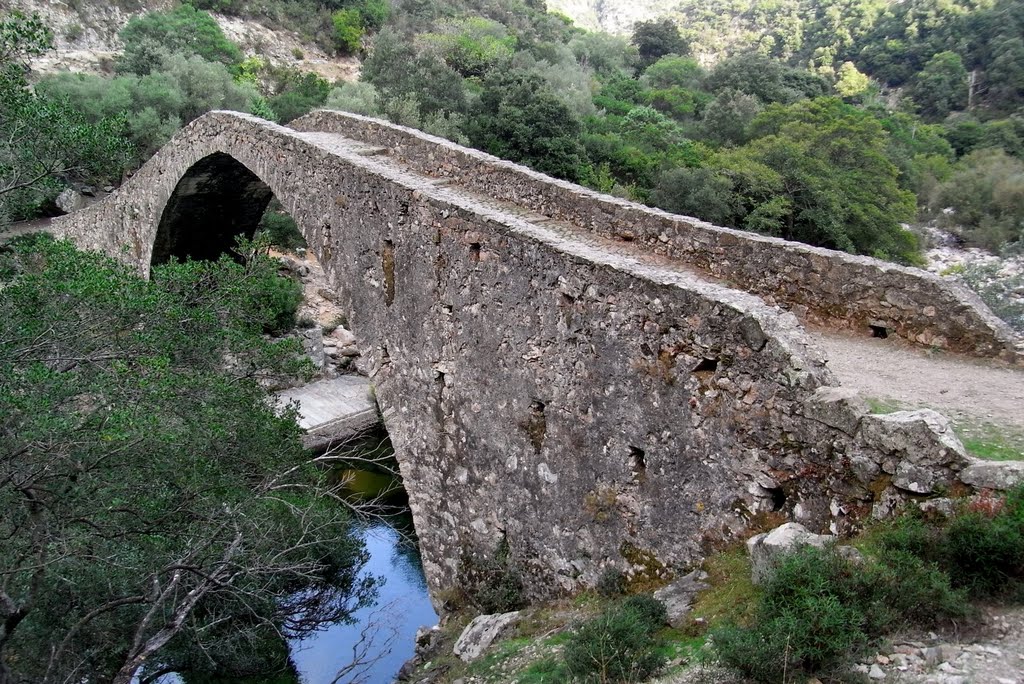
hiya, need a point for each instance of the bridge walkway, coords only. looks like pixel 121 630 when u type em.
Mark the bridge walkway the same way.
pixel 334 408
pixel 967 389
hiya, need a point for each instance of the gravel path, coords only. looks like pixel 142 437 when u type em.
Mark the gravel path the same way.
pixel 964 389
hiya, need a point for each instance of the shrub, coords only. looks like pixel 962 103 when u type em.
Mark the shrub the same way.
pixel 612 582
pixel 357 97
pixel 820 610
pixel 281 230
pixel 986 554
pixel 619 645
pixel 981 551
pixel 185 30
pixel 493 584
pixel 348 31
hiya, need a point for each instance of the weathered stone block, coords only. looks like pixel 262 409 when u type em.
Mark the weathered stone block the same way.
pixel 993 474
pixel 838 407
pixel 481 633
pixel 921 437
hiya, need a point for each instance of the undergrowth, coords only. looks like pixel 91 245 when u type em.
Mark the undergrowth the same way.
pixel 821 610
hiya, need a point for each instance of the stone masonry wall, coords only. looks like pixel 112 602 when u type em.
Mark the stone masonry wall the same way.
pixel 588 409
pixel 821 286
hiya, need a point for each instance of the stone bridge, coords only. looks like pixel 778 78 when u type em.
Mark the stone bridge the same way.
pixel 596 383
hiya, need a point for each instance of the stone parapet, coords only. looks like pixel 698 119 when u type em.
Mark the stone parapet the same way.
pixel 821 286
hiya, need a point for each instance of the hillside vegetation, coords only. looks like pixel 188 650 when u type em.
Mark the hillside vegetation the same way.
pixel 831 123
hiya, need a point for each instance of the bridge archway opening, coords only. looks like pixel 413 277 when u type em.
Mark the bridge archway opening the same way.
pixel 217 199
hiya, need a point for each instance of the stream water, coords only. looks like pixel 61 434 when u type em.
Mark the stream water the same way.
pixel 402 605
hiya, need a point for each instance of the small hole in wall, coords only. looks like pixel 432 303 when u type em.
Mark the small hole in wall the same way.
pixel 706 366
pixel 879 331
pixel 536 424
pixel 388 266
pixel 778 498
pixel 474 252
pixel 637 461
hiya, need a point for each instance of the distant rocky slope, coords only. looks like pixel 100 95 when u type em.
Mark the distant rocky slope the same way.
pixel 85 37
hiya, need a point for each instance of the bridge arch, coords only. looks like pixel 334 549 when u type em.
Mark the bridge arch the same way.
pixel 588 404
pixel 216 199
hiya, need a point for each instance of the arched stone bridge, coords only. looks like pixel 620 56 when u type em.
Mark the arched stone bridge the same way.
pixel 594 382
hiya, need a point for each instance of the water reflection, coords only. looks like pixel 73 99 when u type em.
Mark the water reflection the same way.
pixel 389 627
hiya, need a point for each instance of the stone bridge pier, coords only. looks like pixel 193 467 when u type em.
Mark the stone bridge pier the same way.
pixel 586 402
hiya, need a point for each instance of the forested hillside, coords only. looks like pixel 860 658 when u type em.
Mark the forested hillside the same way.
pixel 833 123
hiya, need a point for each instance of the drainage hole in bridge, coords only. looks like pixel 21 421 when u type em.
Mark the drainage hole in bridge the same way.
pixel 706 366
pixel 638 462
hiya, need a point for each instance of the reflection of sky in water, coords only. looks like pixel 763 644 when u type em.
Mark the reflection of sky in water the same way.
pixel 403 601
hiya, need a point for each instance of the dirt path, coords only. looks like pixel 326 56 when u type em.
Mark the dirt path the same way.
pixel 961 387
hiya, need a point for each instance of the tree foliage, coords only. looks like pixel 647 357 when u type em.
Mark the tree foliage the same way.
pixel 183 30
pixel 160 513
pixel 519 118
pixel 45 141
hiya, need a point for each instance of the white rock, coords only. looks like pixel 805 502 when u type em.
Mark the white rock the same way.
pixel 876 672
pixel 766 548
pixel 481 633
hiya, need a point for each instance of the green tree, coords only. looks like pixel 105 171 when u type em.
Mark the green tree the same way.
pixel 184 29
pixel 656 38
pixel 941 86
pixel 838 188
pixel 673 70
pixel 986 194
pixel 348 30
pixel 851 83
pixel 726 118
pixel 154 106
pixel 472 46
pixel 701 192
pixel 44 141
pixel 519 118
pixel 160 515
pixel 423 81
pixel 767 79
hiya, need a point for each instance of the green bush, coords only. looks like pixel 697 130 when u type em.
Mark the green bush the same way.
pixel 183 30
pixel 981 551
pixel 494 585
pixel 281 229
pixel 619 645
pixel 820 610
pixel 348 31
pixel 986 554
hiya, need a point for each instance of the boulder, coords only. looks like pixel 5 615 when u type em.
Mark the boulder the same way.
pixel 920 448
pixel 767 548
pixel 678 597
pixel 839 407
pixel 481 633
pixel 313 343
pixel 993 474
pixel 922 437
pixel 69 200
pixel 342 337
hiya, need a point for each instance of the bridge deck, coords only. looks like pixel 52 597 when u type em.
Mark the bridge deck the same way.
pixel 964 388
pixel 335 407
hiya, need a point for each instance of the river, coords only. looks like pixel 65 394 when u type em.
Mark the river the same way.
pixel 402 605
